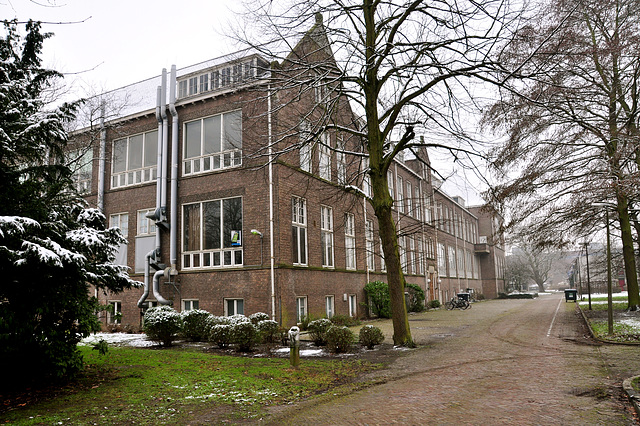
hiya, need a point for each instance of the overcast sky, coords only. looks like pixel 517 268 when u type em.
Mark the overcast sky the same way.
pixel 114 43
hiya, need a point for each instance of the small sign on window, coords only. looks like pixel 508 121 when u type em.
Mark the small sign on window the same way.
pixel 236 238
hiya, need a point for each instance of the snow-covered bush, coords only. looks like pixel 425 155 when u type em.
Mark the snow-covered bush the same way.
pixel 370 336
pixel 196 325
pixel 245 335
pixel 221 335
pixel 339 339
pixel 257 317
pixel 161 324
pixel 270 331
pixel 318 331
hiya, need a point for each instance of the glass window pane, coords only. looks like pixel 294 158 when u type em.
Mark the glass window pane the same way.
pixel 295 244
pixel 191 227
pixel 135 152
pixel 240 307
pixel 119 156
pixel 303 246
pixel 232 218
pixel 211 211
pixel 150 148
pixel 192 139
pixel 233 130
pixel 211 135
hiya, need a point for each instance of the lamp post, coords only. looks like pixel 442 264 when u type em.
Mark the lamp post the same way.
pixel 586 250
pixel 609 285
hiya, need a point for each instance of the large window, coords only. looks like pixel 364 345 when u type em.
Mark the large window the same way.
pixel 299 230
pixel 134 159
pixel 80 162
pixel 409 199
pixel 353 306
pixel 324 160
pixel 460 260
pixel 120 221
pixel 368 232
pixel 442 260
pixel 452 261
pixel 350 240
pixel 301 308
pixel 341 162
pixel 114 312
pixel 400 200
pixel 233 307
pixel 330 308
pixel 212 234
pixel 146 226
pixel 326 235
pixel 190 304
pixel 213 143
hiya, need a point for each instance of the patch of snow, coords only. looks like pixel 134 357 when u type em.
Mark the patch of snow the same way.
pixel 119 339
pixel 635 323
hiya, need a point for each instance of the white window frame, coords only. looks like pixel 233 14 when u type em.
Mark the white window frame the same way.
pixel 369 245
pixel 190 304
pixel 411 255
pixel 383 263
pixel 116 220
pixel 350 241
pixel 80 161
pixel 453 263
pixel 330 305
pixel 403 253
pixel 442 260
pixel 299 231
pixel 460 258
pixel 326 236
pixel 341 161
pixel 234 302
pixel 324 156
pixel 400 200
pixel 353 305
pixel 409 199
pixel 306 148
pixel 144 225
pixel 417 205
pixel 301 308
pixel 117 309
pixel 139 175
pixel 366 179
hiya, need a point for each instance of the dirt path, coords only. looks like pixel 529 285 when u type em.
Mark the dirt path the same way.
pixel 516 362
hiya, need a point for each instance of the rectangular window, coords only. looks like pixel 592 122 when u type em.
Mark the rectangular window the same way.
pixel 213 143
pixel 442 261
pixel 350 240
pixel 427 209
pixel 403 253
pixel 353 306
pixel 115 312
pixel 326 235
pixel 409 199
pixel 299 230
pixel 146 226
pixel 301 308
pixel 460 262
pixel 80 162
pixel 182 88
pixel 233 307
pixel 341 162
pixel 305 147
pixel 451 252
pixel 193 85
pixel 215 79
pixel 190 305
pixel 134 160
pixel 120 221
pixel 329 302
pixel 411 256
pixel 226 77
pixel 204 83
pixel 383 265
pixel 400 200
pixel 212 234
pixel 324 160
pixel 419 256
pixel 368 232
pixel 469 263
pixel 390 181
pixel 366 179
pixel 417 208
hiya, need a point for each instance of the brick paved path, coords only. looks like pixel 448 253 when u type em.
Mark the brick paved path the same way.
pixel 515 362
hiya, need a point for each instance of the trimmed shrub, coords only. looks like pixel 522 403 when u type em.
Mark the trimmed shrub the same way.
pixel 345 320
pixel 433 304
pixel 221 335
pixel 304 322
pixel 416 297
pixel 245 335
pixel 195 325
pixel 339 339
pixel 269 331
pixel 378 295
pixel 162 324
pixel 318 331
pixel 370 336
pixel 257 317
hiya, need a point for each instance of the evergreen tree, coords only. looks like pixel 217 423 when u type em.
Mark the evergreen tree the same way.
pixel 52 247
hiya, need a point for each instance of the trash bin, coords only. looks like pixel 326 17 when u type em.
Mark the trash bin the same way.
pixel 464 296
pixel 571 294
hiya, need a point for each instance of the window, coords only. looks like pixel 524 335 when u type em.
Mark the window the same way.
pixel 460 259
pixel 366 179
pixel 350 240
pixel 469 264
pixel 442 261
pixel 390 183
pixel 411 255
pixel 320 90
pixel 81 164
pixel 305 147
pixel 120 221
pixel 326 235
pixel 134 159
pixel 418 207
pixel 383 265
pixel 213 143
pixel 329 302
pixel 115 312
pixel 403 253
pixel 427 208
pixel 368 233
pixel 452 261
pixel 409 199
pixel 182 88
pixel 212 234
pixel 419 256
pixel 204 83
pixel 400 200
pixel 146 226
pixel 299 230
pixel 341 162
pixel 301 308
pixel 324 152
pixel 193 85
pixel 353 307
pixel 190 305
pixel 233 307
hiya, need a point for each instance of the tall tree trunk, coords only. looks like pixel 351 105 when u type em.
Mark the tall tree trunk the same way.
pixel 628 252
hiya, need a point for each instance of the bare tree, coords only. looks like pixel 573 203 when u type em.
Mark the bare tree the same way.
pixel 401 68
pixel 572 123
pixel 534 263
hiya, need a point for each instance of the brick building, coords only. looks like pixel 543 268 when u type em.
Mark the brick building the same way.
pixel 232 200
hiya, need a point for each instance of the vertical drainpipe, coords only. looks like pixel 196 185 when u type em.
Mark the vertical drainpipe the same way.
pixel 271 251
pixel 101 158
pixel 165 147
pixel 173 256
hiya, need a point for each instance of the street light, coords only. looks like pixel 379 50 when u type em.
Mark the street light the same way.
pixel 609 285
pixel 586 250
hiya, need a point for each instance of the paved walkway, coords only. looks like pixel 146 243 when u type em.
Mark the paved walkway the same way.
pixel 515 362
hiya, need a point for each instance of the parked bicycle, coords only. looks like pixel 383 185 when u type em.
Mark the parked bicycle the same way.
pixel 457 303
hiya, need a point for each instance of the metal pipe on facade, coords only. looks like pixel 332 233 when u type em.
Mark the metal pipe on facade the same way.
pixel 173 244
pixel 271 243
pixel 165 146
pixel 101 158
pixel 156 289
pixel 145 292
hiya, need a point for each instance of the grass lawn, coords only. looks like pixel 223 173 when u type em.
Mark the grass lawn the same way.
pixel 626 325
pixel 178 386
